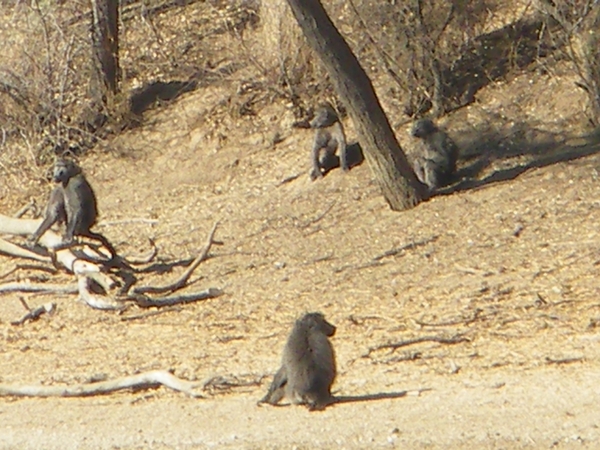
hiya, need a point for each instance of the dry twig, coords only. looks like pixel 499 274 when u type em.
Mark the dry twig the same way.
pixel 440 339
pixel 289 179
pixel 34 314
pixel 409 246
pixel 563 360
pixel 317 218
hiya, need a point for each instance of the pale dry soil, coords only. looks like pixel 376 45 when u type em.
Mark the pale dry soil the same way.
pixel 512 267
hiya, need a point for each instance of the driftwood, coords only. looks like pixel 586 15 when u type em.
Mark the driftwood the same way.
pixel 97 288
pixel 146 380
pixel 8 248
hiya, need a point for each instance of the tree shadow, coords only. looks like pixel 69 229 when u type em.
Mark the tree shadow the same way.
pixel 157 92
pixel 143 98
pixel 515 152
pixel 492 56
pixel 518 150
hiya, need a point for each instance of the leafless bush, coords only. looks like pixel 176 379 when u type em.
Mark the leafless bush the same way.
pixel 439 53
pixel 46 66
pixel 574 26
pixel 42 74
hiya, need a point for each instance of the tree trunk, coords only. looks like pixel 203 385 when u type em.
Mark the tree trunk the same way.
pixel 591 51
pixel 105 48
pixel 389 165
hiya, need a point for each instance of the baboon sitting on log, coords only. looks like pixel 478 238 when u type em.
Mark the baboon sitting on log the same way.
pixel 72 202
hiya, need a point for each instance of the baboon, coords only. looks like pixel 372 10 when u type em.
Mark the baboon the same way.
pixel 329 136
pixel 435 161
pixel 72 202
pixel 307 366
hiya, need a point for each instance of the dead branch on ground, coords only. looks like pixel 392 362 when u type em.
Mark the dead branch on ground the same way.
pixel 34 314
pixel 47 288
pixel 10 249
pixel 95 286
pixel 159 302
pixel 409 246
pixel 564 360
pixel 358 266
pixel 316 219
pixel 477 315
pixel 289 179
pixel 182 281
pixel 377 260
pixel 49 270
pixel 138 260
pixel 457 339
pixel 146 380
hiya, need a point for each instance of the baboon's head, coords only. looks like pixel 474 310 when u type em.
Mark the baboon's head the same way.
pixel 325 116
pixel 317 322
pixel 64 169
pixel 423 128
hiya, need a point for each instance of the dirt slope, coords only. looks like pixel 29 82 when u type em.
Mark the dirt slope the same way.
pixel 525 377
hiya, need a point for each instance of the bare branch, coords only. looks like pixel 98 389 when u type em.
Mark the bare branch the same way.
pixel 10 249
pixel 38 287
pixel 96 301
pixel 146 380
pixel 136 260
pixel 147 302
pixel 182 281
pixel 36 313
pixel 440 339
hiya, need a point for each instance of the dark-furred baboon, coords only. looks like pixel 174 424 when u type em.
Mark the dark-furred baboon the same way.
pixel 329 137
pixel 307 366
pixel 73 203
pixel 436 155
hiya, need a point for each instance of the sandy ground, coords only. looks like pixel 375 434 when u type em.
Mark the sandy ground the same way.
pixel 509 269
pixel 526 303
